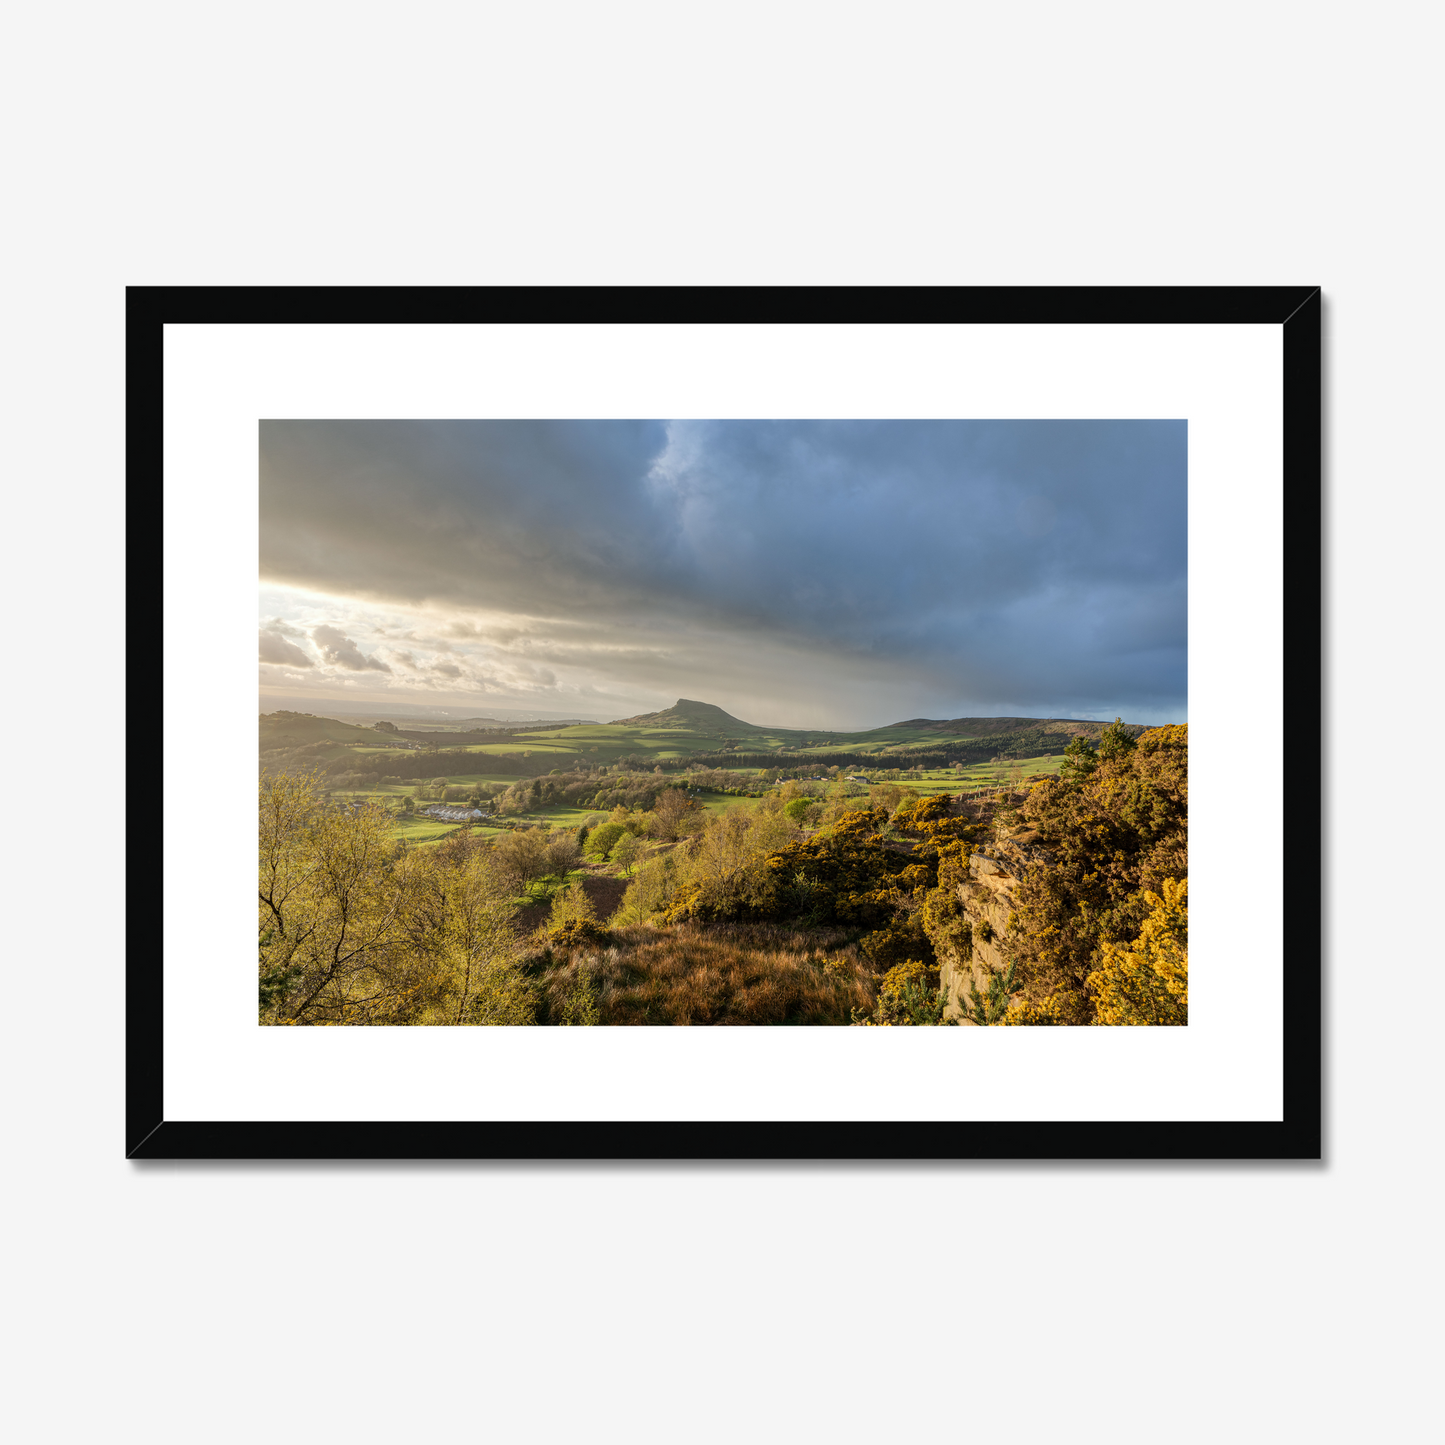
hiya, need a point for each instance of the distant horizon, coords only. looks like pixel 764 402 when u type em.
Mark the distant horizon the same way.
pixel 828 575
pixel 358 707
pixel 430 713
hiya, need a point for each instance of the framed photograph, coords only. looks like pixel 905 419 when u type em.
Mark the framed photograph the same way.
pixel 727 723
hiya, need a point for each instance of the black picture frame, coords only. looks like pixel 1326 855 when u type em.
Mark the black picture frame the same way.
pixel 1296 309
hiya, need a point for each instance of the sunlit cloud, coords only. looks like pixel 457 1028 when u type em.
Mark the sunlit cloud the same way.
pixel 275 648
pixel 340 650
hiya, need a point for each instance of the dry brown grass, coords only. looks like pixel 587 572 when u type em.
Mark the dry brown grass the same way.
pixel 724 974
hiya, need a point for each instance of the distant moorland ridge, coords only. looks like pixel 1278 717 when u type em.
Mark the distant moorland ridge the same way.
pixel 687 735
pixel 993 726
pixel 688 713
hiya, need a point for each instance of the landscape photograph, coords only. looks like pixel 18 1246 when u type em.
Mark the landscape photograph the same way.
pixel 730 722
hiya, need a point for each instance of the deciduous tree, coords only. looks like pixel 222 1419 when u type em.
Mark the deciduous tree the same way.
pixel 671 808
pixel 522 855
pixel 626 852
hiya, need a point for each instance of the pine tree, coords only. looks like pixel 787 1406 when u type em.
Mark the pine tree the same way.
pixel 987 1009
pixel 1115 741
pixel 1080 759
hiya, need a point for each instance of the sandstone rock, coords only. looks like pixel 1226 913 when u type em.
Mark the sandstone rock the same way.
pixel 987 896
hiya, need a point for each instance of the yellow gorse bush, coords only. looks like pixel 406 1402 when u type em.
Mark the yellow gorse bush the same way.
pixel 1147 981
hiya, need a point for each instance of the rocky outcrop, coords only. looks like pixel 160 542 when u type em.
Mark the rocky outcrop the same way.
pixel 988 896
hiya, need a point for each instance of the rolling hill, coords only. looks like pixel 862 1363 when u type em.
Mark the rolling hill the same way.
pixel 1001 726
pixel 685 713
pixel 688 732
pixel 293 729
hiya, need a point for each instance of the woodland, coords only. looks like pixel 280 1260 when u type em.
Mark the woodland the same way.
pixel 732 897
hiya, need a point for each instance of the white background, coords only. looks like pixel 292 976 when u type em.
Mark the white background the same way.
pixel 783 143
pixel 1225 380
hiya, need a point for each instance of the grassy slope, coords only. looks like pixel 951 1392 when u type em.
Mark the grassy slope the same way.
pixel 601 744
pixel 692 727
pixel 676 733
pixel 278 731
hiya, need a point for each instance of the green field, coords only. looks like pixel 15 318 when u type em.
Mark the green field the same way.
pixel 559 817
pixel 603 744
pixel 931 780
pixel 422 831
pixel 980 775
pixel 468 779
pixel 293 741
pixel 679 732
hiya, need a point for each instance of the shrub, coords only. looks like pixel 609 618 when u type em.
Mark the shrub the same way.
pixel 603 839
pixel 908 996
pixel 578 933
pixel 1147 982
pixel 947 925
pixel 1114 835
pixel 901 941
pixel 916 811
pixel 570 905
pixel 1062 1009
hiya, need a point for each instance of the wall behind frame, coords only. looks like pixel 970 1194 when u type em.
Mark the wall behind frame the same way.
pixel 1276 144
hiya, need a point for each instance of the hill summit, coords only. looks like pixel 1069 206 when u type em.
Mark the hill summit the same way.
pixel 686 713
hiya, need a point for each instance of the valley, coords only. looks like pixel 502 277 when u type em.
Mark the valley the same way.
pixel 684 867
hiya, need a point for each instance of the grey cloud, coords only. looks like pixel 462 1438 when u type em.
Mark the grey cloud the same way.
pixel 1025 566
pixel 460 511
pixel 343 652
pixel 275 648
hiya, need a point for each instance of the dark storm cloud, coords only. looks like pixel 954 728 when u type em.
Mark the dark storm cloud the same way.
pixel 340 650
pixel 1030 566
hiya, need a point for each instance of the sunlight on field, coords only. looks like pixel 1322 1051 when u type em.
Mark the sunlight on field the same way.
pixel 421 830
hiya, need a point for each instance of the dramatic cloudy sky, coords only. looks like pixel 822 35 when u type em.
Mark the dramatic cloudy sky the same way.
pixel 813 574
